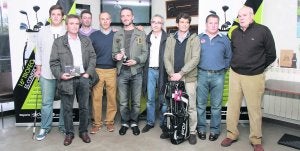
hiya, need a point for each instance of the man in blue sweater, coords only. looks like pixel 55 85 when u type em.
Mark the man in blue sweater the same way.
pixel 106 69
pixel 214 61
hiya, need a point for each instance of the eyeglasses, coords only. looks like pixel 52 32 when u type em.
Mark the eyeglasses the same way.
pixel 154 22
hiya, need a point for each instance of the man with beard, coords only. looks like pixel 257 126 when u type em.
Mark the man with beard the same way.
pixel 130 52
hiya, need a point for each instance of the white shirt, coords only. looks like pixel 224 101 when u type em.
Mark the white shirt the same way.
pixel 75 46
pixel 154 50
pixel 45 40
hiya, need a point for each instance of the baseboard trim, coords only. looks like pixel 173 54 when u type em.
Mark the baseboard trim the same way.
pixel 283 123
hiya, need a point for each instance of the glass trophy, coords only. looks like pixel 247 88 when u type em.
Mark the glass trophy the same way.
pixel 74 71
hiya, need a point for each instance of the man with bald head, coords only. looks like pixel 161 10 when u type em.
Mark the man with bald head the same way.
pixel 253 50
pixel 106 69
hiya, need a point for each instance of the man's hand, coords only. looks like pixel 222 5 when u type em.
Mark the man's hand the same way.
pixel 37 72
pixel 140 28
pixel 66 76
pixel 175 77
pixel 120 55
pixel 130 62
pixel 86 75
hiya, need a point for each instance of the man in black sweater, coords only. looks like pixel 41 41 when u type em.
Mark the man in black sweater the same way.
pixel 106 69
pixel 253 50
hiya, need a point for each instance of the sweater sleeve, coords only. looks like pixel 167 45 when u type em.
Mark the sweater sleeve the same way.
pixel 269 48
pixel 38 51
pixel 228 52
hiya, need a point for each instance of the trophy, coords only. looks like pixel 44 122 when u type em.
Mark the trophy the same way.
pixel 125 58
pixel 72 70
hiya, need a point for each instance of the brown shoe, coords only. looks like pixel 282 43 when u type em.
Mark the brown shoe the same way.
pixel 227 142
pixel 95 129
pixel 110 127
pixel 258 147
pixel 68 139
pixel 85 137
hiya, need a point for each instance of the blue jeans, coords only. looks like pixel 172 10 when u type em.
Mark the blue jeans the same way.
pixel 81 89
pixel 213 84
pixel 48 87
pixel 129 85
pixel 151 87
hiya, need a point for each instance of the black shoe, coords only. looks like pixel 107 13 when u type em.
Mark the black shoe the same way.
pixel 202 135
pixel 213 137
pixel 147 128
pixel 135 130
pixel 164 135
pixel 193 139
pixel 123 130
pixel 85 137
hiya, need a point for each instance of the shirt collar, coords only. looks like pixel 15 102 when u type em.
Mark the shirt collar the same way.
pixel 186 35
pixel 69 37
pixel 90 29
pixel 218 34
pixel 105 32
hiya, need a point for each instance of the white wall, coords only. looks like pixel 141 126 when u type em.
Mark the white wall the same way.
pixel 95 9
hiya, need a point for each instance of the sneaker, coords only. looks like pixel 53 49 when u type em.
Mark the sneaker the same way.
pixel 227 142
pixel 213 137
pixel 258 147
pixel 95 129
pixel 193 139
pixel 201 135
pixel 135 130
pixel 41 135
pixel 110 127
pixel 147 128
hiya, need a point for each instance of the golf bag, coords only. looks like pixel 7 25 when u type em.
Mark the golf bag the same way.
pixel 177 115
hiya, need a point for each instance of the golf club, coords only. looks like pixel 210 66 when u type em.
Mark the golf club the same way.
pixel 23 26
pixel 225 8
pixel 35 115
pixel 36 28
pixel 213 12
pixel 225 25
pixel 25 13
pixel 36 9
pixel 40 24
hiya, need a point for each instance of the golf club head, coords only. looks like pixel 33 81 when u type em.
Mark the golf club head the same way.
pixel 225 8
pixel 213 12
pixel 23 12
pixel 23 26
pixel 40 24
pixel 228 23
pixel 36 28
pixel 224 26
pixel 36 8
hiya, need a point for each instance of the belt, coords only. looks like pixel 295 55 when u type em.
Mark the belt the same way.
pixel 155 68
pixel 213 71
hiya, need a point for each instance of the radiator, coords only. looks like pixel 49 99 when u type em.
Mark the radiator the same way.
pixel 281 106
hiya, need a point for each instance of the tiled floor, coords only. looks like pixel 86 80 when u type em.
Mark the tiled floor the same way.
pixel 14 138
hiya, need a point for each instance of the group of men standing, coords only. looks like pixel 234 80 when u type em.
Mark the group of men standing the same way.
pixel 128 61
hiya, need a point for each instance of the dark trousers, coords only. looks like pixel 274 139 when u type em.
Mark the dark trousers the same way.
pixel 81 88
pixel 129 88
